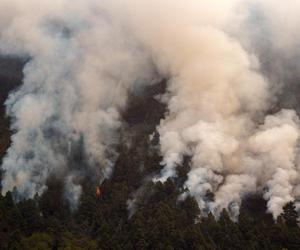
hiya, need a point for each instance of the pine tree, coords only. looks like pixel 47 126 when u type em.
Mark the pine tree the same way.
pixel 290 215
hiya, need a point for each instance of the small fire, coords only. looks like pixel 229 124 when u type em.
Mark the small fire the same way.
pixel 98 192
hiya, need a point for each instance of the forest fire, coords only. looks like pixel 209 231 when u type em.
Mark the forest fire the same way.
pixel 162 124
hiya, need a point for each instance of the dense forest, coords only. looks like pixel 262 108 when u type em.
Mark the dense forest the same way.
pixel 132 212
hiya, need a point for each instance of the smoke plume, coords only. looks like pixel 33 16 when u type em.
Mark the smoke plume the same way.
pixel 81 67
pixel 229 71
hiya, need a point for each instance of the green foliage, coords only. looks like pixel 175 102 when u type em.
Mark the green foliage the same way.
pixel 69 241
pixel 37 241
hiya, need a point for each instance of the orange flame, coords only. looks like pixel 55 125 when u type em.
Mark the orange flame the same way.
pixel 98 192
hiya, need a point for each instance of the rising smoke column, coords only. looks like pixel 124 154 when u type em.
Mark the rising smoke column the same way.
pixel 218 102
pixel 81 66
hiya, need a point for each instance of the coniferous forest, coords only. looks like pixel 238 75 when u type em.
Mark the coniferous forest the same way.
pixel 131 211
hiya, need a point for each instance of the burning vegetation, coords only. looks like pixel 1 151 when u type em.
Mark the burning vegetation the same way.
pixel 98 192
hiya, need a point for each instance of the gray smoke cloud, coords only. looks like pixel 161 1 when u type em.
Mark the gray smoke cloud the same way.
pixel 82 65
pixel 86 56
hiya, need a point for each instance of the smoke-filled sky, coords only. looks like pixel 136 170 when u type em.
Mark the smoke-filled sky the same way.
pixel 230 64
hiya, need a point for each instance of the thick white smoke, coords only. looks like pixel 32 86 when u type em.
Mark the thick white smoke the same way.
pixel 217 99
pixel 82 64
pixel 86 55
